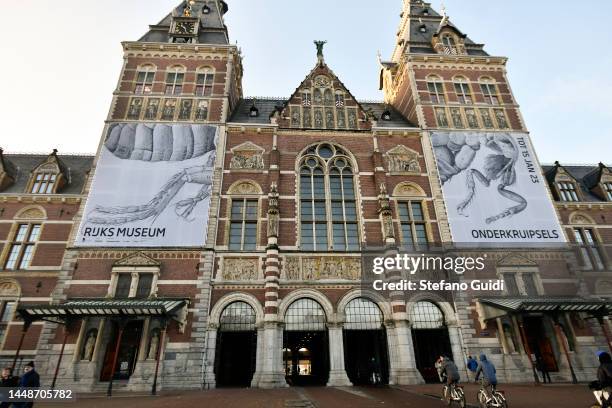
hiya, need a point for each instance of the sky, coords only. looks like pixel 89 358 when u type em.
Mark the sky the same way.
pixel 61 60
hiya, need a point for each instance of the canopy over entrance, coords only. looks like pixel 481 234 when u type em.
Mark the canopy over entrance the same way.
pixel 79 308
pixel 491 308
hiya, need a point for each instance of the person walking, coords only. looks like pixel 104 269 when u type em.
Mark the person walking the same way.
pixel 7 380
pixel 30 379
pixel 603 391
pixel 541 367
pixel 472 364
pixel 489 376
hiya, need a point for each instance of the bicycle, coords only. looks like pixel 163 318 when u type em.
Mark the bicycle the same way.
pixel 497 399
pixel 455 394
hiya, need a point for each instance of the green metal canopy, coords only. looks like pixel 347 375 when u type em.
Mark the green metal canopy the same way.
pixel 79 308
pixel 547 304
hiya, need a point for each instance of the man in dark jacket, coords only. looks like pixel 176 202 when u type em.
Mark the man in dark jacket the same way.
pixel 7 380
pixel 30 379
pixel 489 376
pixel 604 377
pixel 447 370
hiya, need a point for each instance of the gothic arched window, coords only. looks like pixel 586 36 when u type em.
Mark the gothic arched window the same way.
pixel 328 210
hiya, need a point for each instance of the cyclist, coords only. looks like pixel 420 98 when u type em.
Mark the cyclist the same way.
pixel 448 372
pixel 489 377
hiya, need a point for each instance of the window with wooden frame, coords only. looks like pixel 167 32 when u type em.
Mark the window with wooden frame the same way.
pixel 7 312
pixel 589 249
pixel 328 208
pixel 413 224
pixel 243 224
pixel 204 82
pixel 521 283
pixel 462 89
pixel 139 285
pixel 436 90
pixel 22 246
pixel 489 91
pixel 450 44
pixel 174 81
pixel 567 191
pixel 144 80
pixel 44 183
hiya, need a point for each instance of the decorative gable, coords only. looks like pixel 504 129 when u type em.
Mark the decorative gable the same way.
pixel 48 177
pixel 322 102
pixel 137 259
pixel 516 260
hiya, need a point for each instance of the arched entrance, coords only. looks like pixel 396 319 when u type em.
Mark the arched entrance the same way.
pixel 365 343
pixel 236 346
pixel 305 344
pixel 430 338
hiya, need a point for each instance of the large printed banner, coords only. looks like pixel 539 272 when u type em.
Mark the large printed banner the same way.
pixel 494 189
pixel 151 187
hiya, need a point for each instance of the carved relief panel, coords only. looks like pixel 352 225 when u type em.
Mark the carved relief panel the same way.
pixel 240 269
pixel 403 160
pixel 318 268
pixel 247 156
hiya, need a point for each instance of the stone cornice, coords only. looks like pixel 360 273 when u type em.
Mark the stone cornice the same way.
pixel 455 59
pixel 185 49
pixel 41 198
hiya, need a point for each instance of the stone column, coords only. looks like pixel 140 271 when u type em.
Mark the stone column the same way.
pixel 458 355
pixel 272 374
pixel 403 369
pixel 209 357
pixel 337 373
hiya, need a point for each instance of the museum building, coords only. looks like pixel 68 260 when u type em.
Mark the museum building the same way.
pixel 234 255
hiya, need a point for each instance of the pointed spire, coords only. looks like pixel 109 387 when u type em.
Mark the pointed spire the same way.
pixel 320 44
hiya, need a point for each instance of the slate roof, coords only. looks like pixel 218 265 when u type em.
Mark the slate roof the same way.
pixel 212 29
pixel 267 106
pixel 420 42
pixel 74 167
pixel 587 176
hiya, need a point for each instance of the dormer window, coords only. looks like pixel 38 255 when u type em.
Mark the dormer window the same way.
pixel 423 28
pixel 449 44
pixel 425 11
pixel 44 183
pixel 608 190
pixel 253 112
pixel 205 9
pixel 567 191
pixel 386 115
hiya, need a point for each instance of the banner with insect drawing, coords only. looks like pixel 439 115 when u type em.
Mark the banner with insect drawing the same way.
pixel 494 190
pixel 151 187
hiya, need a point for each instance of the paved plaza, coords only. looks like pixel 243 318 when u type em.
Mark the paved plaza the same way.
pixel 426 396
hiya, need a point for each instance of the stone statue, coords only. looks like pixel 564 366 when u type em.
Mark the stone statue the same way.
pixel 273 211
pixel 153 345
pixel 90 344
pixel 319 45
pixel 384 209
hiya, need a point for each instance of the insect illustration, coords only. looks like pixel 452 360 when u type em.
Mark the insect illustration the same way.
pixel 161 143
pixel 455 154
